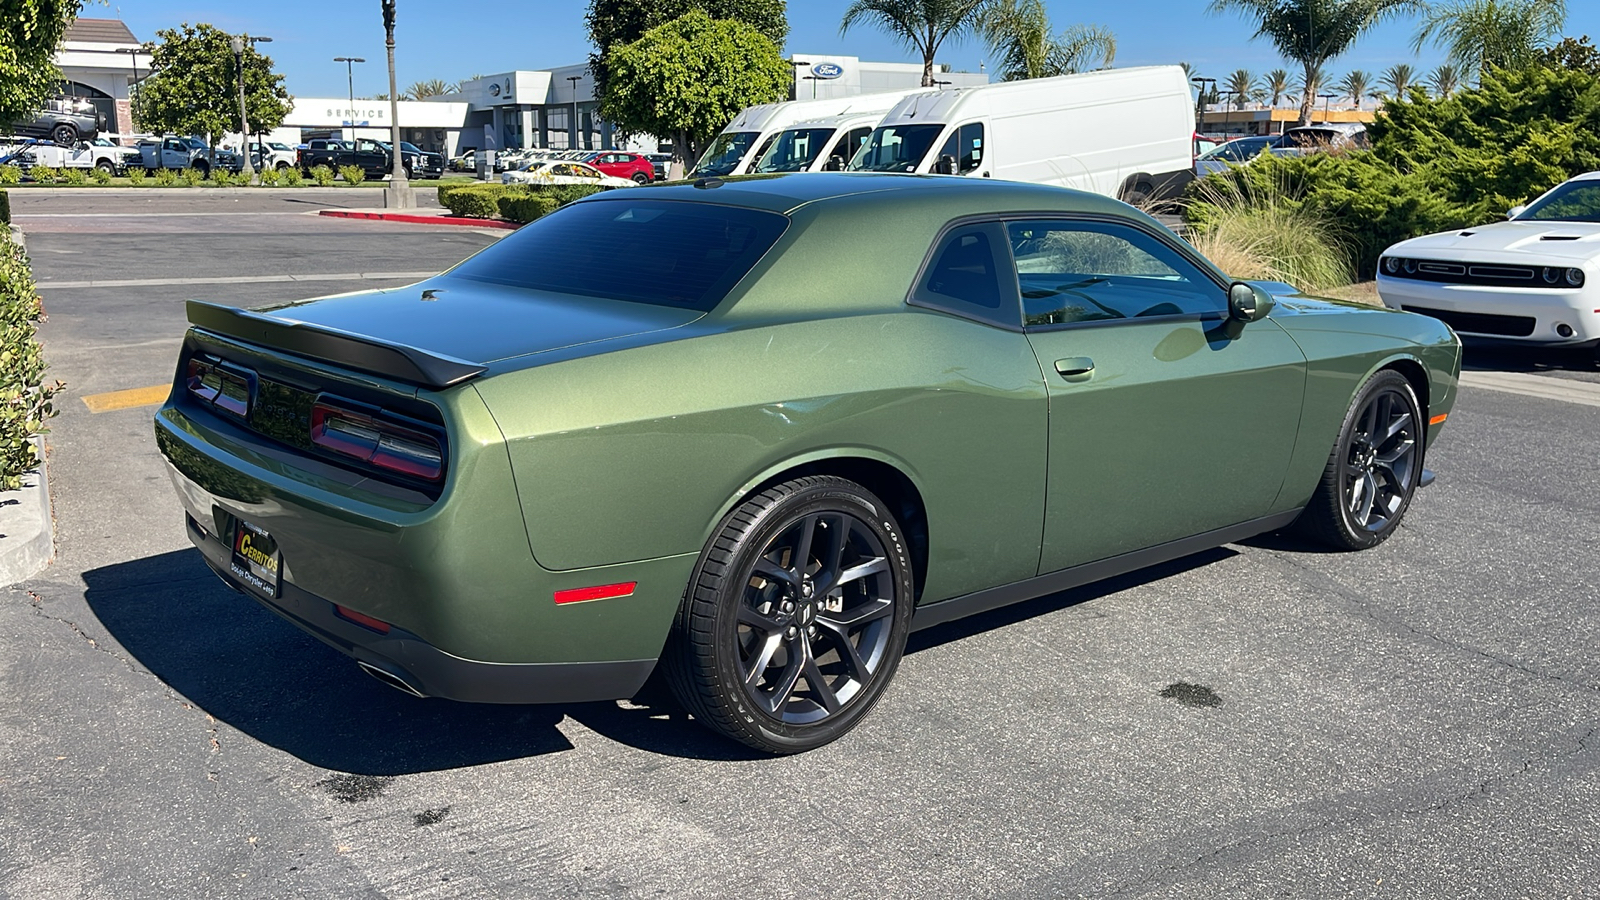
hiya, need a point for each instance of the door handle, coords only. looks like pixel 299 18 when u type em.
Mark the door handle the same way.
pixel 1074 366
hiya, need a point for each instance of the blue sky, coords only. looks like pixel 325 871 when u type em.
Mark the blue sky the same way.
pixel 451 41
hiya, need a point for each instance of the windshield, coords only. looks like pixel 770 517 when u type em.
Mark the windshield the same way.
pixel 193 143
pixel 895 148
pixel 794 150
pixel 1575 201
pixel 723 156
pixel 665 253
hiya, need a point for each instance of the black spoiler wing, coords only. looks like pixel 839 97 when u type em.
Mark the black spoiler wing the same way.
pixel 353 351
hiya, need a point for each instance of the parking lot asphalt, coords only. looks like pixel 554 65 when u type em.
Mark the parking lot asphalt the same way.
pixel 1261 720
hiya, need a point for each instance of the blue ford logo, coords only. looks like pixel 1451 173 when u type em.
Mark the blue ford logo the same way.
pixel 827 71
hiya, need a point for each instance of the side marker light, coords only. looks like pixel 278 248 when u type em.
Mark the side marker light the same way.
pixel 1439 418
pixel 600 592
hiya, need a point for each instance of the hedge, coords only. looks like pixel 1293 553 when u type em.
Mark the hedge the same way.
pixel 477 201
pixel 487 200
pixel 25 401
pixel 524 208
pixel 5 208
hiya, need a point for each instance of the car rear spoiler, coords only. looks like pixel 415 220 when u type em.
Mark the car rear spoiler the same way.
pixel 354 351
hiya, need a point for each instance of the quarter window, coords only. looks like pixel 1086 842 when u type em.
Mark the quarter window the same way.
pixel 1070 272
pixel 965 276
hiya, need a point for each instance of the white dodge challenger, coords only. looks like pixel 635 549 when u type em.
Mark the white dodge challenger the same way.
pixel 1534 279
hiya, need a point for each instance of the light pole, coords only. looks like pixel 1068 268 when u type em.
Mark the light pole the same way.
pixel 1325 99
pixel 240 42
pixel 1227 108
pixel 572 142
pixel 397 194
pixel 350 79
pixel 794 86
pixel 813 79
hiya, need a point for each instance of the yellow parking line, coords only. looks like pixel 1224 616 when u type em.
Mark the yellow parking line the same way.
pixel 115 400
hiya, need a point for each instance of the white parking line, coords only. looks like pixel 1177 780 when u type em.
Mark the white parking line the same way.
pixel 239 279
pixel 1544 386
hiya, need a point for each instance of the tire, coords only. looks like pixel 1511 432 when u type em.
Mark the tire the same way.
pixel 201 166
pixel 1137 190
pixel 1368 483
pixel 640 178
pixel 749 610
pixel 65 134
pixel 106 165
pixel 282 166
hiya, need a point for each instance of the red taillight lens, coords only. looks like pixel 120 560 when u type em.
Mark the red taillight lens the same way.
pixel 377 441
pixel 211 381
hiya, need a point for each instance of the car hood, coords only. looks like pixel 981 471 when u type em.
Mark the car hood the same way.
pixel 480 322
pixel 1508 241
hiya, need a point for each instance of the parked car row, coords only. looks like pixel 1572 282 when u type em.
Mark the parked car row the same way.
pixel 99 153
pixel 375 158
pixel 1293 142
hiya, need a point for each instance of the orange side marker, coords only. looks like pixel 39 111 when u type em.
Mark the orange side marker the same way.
pixel 1439 418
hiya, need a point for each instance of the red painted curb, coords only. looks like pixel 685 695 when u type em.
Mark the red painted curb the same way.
pixel 418 220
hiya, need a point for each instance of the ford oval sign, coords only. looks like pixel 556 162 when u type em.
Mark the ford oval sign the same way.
pixel 827 71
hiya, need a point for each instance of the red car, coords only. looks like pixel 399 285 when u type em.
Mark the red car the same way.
pixel 621 164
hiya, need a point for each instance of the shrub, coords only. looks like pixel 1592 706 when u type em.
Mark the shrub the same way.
pixel 352 175
pixel 1255 231
pixel 269 177
pixel 524 208
pixel 135 176
pixel 166 178
pixel 100 176
pixel 322 175
pixel 566 193
pixel 44 174
pixel 290 177
pixel 10 175
pixel 478 201
pixel 5 209
pixel 192 177
pixel 25 401
pixel 75 176
pixel 221 177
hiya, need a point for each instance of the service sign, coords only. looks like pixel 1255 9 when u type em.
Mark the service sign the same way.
pixel 827 71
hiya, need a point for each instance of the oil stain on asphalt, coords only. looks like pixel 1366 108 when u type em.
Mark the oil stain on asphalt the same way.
pixel 1191 694
pixel 355 788
pixel 430 816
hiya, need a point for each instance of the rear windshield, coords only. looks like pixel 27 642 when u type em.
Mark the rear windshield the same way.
pixel 666 253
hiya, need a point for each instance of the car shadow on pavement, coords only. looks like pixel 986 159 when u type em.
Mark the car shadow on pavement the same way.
pixel 1530 359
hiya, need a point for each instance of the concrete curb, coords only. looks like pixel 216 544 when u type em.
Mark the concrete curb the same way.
pixel 27 529
pixel 416 218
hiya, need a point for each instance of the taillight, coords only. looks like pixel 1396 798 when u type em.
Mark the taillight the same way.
pixel 217 384
pixel 377 440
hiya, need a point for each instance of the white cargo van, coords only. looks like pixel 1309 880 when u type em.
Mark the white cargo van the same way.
pixel 827 144
pixel 1124 133
pixel 752 131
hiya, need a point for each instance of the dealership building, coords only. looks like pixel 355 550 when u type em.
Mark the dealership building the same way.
pixel 101 60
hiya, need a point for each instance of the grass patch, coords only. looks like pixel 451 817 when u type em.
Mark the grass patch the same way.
pixel 1253 232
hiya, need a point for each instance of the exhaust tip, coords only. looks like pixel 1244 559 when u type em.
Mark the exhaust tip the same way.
pixel 390 678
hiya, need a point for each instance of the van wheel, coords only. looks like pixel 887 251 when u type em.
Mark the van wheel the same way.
pixel 1137 190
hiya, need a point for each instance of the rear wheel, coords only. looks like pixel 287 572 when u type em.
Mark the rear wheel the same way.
pixel 796 616
pixel 641 178
pixel 65 134
pixel 202 167
pixel 1373 470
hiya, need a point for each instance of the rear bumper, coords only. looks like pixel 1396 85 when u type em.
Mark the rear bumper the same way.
pixel 407 662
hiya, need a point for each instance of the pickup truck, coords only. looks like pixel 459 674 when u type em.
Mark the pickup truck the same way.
pixel 101 153
pixel 185 153
pixel 65 120
pixel 279 156
pixel 372 156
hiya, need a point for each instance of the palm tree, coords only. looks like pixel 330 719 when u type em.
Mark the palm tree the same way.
pixel 1397 81
pixel 1313 32
pixel 1309 86
pixel 1018 34
pixel 922 24
pixel 1482 34
pixel 1276 85
pixel 1446 80
pixel 1243 85
pixel 432 87
pixel 1355 85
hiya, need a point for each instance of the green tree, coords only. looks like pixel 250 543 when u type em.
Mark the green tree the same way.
pixel 432 87
pixel 613 23
pixel 923 25
pixel 1243 85
pixel 1573 53
pixel 1445 80
pixel 1018 33
pixel 1479 34
pixel 1275 85
pixel 193 86
pixel 1355 85
pixel 30 32
pixel 1314 32
pixel 1397 82
pixel 686 79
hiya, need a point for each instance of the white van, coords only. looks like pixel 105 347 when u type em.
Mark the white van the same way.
pixel 752 131
pixel 827 144
pixel 1124 133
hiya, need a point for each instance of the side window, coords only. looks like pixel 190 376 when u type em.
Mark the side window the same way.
pixel 852 142
pixel 1090 271
pixel 965 276
pixel 760 152
pixel 965 146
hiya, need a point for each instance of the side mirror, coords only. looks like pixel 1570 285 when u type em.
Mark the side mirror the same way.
pixel 1515 211
pixel 945 166
pixel 1248 303
pixel 835 164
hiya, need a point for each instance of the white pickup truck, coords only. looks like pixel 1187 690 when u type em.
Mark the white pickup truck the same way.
pixel 100 153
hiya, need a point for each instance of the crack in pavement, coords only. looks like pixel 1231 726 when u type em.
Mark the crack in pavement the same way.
pixel 36 602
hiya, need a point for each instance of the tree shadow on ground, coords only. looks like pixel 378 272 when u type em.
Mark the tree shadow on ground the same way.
pixel 261 675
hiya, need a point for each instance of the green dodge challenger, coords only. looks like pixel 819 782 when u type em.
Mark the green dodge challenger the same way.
pixel 752 433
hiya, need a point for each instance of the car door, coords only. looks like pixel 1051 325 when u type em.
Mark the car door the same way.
pixel 1167 419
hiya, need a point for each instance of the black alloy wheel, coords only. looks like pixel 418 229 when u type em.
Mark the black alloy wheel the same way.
pixel 796 618
pixel 65 134
pixel 1374 469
